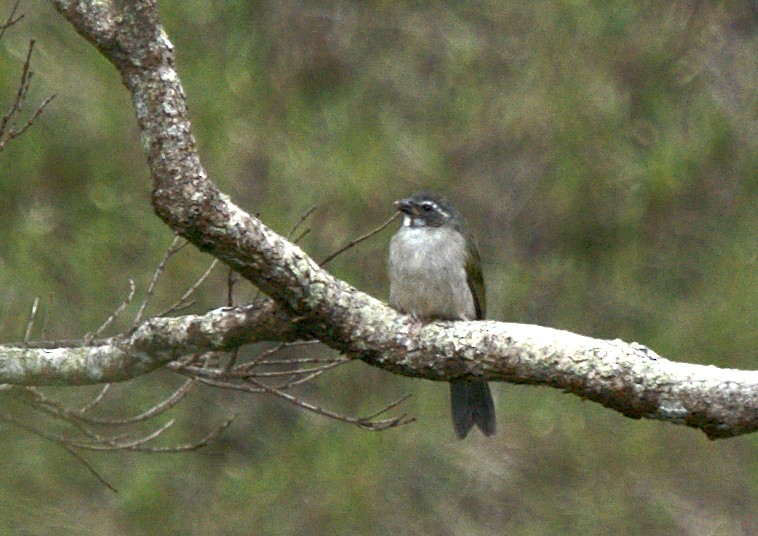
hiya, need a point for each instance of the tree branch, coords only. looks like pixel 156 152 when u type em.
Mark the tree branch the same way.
pixel 628 378
pixel 310 303
pixel 153 344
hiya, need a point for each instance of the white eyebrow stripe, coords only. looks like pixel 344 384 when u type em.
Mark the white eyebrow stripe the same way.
pixel 436 207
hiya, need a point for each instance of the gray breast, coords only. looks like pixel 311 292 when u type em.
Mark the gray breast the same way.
pixel 427 272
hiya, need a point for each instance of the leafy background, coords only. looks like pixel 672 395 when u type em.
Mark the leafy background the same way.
pixel 605 154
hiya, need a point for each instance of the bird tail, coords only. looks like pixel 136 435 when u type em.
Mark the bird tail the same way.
pixel 471 403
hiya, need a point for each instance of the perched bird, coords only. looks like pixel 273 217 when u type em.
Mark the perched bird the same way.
pixel 435 274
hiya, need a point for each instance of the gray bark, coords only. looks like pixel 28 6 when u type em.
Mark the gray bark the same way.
pixel 307 302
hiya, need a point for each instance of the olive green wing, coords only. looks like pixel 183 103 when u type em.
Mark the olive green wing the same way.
pixel 475 278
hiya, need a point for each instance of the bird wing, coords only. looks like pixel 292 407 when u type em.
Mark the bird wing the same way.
pixel 475 278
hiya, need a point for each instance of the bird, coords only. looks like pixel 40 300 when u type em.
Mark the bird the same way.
pixel 435 274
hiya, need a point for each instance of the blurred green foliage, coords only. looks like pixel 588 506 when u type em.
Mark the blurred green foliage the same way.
pixel 605 154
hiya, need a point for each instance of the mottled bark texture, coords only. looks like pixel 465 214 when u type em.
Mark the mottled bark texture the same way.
pixel 307 302
pixel 153 344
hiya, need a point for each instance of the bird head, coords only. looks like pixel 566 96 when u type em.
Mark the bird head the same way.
pixel 426 209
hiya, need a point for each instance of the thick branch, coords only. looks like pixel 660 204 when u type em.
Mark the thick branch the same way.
pixel 628 378
pixel 153 344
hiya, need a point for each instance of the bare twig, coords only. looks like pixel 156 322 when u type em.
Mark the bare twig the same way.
pixel 301 221
pixel 302 235
pixel 15 133
pixel 30 322
pixel 202 442
pixel 169 402
pixel 260 359
pixel 310 375
pixel 96 400
pixel 63 444
pixel 389 406
pixel 10 21
pixel 172 249
pixel 308 406
pixel 81 459
pixel 9 129
pixel 230 364
pixel 239 374
pixel 115 314
pixel 244 378
pixel 119 442
pixel 91 439
pixel 46 318
pixel 78 417
pixel 53 409
pixel 231 386
pixel 266 353
pixel 232 278
pixel 367 423
pixel 98 443
pixel 301 360
pixel 182 301
pixel 357 241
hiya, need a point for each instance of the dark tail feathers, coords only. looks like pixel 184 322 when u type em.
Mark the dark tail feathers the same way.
pixel 471 404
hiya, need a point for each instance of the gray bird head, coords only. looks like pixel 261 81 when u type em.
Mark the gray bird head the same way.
pixel 426 209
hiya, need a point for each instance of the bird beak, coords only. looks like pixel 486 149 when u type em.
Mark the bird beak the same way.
pixel 404 205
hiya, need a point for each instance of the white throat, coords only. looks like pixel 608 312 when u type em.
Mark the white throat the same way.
pixel 413 223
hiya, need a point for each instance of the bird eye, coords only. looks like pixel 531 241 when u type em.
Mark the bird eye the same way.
pixel 427 207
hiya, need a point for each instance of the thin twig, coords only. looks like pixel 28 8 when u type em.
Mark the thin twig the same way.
pixel 388 407
pixel 63 444
pixel 260 358
pixel 310 375
pixel 238 374
pixel 58 439
pixel 301 236
pixel 78 418
pixel 95 401
pixel 95 441
pixel 58 409
pixel 182 302
pixel 115 314
pixel 9 122
pixel 301 221
pixel 54 409
pixel 172 249
pixel 202 442
pixel 23 86
pixel 10 21
pixel 302 361
pixel 110 444
pixel 169 402
pixel 266 353
pixel 46 318
pixel 232 278
pixel 81 459
pixel 358 240
pixel 363 422
pixel 219 384
pixel 15 133
pixel 233 355
pixel 30 322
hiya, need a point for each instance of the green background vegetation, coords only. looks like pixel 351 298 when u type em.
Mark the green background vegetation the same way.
pixel 605 154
